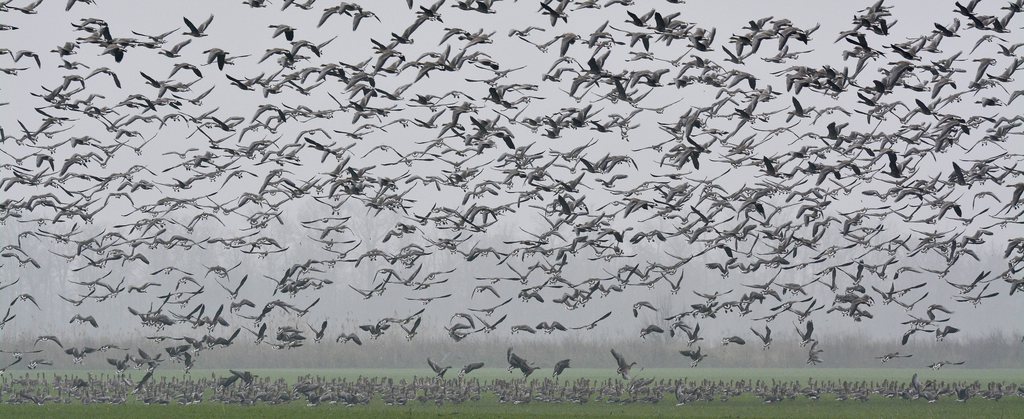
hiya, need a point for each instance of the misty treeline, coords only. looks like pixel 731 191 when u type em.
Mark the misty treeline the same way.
pixel 847 351
pixel 998 347
pixel 990 335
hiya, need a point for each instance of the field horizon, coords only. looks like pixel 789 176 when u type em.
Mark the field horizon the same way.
pixel 745 405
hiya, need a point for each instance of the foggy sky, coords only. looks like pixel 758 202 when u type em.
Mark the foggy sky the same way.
pixel 241 30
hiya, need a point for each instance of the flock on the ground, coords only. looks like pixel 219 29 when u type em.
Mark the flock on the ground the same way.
pixel 246 389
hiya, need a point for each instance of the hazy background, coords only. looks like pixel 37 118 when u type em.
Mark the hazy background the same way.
pixel 241 30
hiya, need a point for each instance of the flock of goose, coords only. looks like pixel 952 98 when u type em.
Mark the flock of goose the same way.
pixel 245 388
pixel 458 142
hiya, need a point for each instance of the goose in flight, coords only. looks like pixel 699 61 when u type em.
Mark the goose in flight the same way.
pixel 938 365
pixel 21 354
pixel 733 339
pixel 692 335
pixel 623 367
pixel 84 319
pixel 766 337
pixel 805 335
pixel 695 356
pixel 49 338
pixel 640 305
pixel 813 353
pixel 653 328
pixel 439 371
pixel 197 31
pixel 892 355
pixel 560 367
pixel 349 337
pixel 517 362
pixel 78 354
pixel 470 368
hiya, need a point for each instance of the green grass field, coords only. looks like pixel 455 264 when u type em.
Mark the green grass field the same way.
pixel 745 406
pixel 850 374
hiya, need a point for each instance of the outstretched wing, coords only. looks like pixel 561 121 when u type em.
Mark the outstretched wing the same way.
pixel 619 359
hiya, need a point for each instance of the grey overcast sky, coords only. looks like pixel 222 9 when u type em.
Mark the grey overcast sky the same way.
pixel 241 30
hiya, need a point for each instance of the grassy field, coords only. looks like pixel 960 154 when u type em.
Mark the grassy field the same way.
pixel 737 407
pixel 745 406
pixel 802 374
